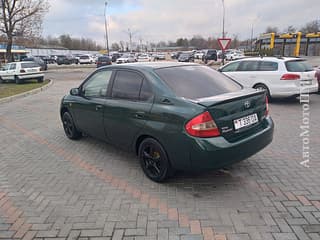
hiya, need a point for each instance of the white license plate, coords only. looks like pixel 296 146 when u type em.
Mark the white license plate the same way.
pixel 245 121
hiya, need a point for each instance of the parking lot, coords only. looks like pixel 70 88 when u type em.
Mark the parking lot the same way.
pixel 55 188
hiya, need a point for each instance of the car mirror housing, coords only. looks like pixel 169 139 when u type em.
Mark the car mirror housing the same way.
pixel 75 92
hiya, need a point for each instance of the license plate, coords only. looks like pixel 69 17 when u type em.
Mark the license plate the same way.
pixel 245 121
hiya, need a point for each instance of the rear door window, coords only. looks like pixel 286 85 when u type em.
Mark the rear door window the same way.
pixel 127 85
pixel 247 66
pixel 194 82
pixel 268 66
pixel 298 66
pixel 29 65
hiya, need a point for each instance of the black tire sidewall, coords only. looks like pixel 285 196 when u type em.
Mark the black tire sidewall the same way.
pixel 75 133
pixel 164 159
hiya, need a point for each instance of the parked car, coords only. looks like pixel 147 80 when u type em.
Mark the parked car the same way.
pixel 115 56
pixel 85 59
pixel 172 115
pixel 103 61
pixel 43 64
pixel 318 77
pixel 186 57
pixel 209 54
pixel 144 58
pixel 234 55
pixel 279 77
pixel 159 56
pixel 198 54
pixel 126 58
pixel 19 72
pixel 66 59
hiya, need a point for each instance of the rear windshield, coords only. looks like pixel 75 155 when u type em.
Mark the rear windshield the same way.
pixel 298 66
pixel 84 57
pixel 195 82
pixel 103 59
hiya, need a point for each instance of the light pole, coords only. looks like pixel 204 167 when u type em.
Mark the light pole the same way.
pixel 106 25
pixel 223 33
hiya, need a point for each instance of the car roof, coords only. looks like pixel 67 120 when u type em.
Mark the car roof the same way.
pixel 277 59
pixel 153 65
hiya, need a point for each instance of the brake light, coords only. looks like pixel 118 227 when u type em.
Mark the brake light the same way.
pixel 22 71
pixel 202 125
pixel 290 76
pixel 267 106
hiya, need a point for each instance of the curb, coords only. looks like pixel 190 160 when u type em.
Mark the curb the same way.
pixel 25 94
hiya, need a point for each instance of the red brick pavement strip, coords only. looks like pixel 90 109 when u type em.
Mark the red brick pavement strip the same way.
pixel 152 201
pixel 13 216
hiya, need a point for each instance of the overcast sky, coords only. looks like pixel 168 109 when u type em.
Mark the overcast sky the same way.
pixel 163 20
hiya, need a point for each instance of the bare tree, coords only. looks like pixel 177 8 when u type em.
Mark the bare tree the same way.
pixel 21 18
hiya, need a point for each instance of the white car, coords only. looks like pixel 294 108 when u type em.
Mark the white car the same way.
pixel 20 71
pixel 144 58
pixel 279 77
pixel 85 59
pixel 126 58
pixel 234 55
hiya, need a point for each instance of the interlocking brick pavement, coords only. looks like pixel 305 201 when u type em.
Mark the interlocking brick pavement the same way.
pixel 55 188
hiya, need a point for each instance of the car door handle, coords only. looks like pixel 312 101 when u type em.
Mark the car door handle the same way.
pixel 98 107
pixel 139 115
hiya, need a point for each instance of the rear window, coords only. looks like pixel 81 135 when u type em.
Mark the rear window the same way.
pixel 84 57
pixel 268 66
pixel 29 65
pixel 298 66
pixel 103 59
pixel 195 82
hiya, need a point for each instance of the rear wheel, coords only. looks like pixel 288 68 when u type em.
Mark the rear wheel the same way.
pixel 263 87
pixel 154 161
pixel 1 81
pixel 69 127
pixel 40 79
pixel 17 80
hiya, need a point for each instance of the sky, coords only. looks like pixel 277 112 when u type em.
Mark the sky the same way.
pixel 167 20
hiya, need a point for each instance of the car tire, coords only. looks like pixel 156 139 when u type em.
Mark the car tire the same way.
pixel 17 80
pixel 154 161
pixel 1 81
pixel 40 79
pixel 69 127
pixel 261 86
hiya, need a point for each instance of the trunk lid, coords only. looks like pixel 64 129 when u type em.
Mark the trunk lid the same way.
pixel 237 114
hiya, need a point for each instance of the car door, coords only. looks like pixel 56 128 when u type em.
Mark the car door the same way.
pixel 129 107
pixel 9 71
pixel 89 106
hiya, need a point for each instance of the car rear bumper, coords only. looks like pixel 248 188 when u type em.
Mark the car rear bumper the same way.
pixel 215 153
pixel 294 90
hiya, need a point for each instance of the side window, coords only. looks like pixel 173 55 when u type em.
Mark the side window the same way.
pixel 127 85
pixel 248 66
pixel 268 66
pixel 13 66
pixel 97 85
pixel 232 67
pixel 145 92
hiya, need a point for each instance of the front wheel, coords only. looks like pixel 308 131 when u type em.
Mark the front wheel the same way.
pixel 40 79
pixel 69 127
pixel 153 160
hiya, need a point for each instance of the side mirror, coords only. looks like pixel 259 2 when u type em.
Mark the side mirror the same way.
pixel 75 92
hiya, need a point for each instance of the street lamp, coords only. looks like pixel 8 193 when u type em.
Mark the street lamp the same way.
pixel 223 33
pixel 106 25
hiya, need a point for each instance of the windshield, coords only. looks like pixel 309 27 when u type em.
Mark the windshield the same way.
pixel 194 82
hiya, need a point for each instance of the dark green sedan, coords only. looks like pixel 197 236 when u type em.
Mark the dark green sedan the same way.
pixel 174 116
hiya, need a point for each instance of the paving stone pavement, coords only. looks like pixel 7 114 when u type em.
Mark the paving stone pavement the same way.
pixel 55 188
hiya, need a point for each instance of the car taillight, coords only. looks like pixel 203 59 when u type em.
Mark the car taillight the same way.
pixel 22 71
pixel 267 106
pixel 290 76
pixel 202 125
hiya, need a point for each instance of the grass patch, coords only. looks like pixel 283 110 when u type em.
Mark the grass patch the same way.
pixel 11 89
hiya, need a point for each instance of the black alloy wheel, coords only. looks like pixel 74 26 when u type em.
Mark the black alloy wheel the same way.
pixel 69 127
pixel 154 160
